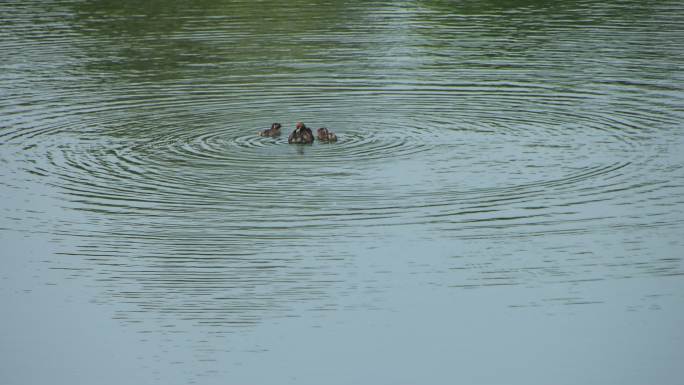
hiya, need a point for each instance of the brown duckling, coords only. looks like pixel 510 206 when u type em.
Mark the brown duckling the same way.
pixel 301 135
pixel 326 136
pixel 272 132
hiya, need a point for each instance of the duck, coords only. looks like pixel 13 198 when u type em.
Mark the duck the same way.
pixel 272 132
pixel 301 135
pixel 326 136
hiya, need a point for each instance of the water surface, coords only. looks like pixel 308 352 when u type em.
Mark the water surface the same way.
pixel 504 205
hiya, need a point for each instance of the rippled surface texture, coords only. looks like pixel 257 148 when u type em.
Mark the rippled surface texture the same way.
pixel 504 205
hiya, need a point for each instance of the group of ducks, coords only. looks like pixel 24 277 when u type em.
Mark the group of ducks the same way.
pixel 301 134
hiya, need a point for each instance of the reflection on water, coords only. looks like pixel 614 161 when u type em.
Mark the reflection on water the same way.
pixel 527 153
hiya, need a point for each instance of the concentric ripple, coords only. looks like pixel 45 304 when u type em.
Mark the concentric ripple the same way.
pixel 396 163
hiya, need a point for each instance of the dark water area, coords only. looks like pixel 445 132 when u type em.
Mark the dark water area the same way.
pixel 504 204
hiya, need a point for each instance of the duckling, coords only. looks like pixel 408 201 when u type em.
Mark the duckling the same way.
pixel 301 135
pixel 326 136
pixel 273 131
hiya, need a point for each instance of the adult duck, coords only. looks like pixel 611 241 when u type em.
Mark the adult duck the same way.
pixel 301 135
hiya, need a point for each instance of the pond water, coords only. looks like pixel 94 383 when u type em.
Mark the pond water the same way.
pixel 504 205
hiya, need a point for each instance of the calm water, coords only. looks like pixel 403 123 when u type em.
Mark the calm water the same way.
pixel 505 204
